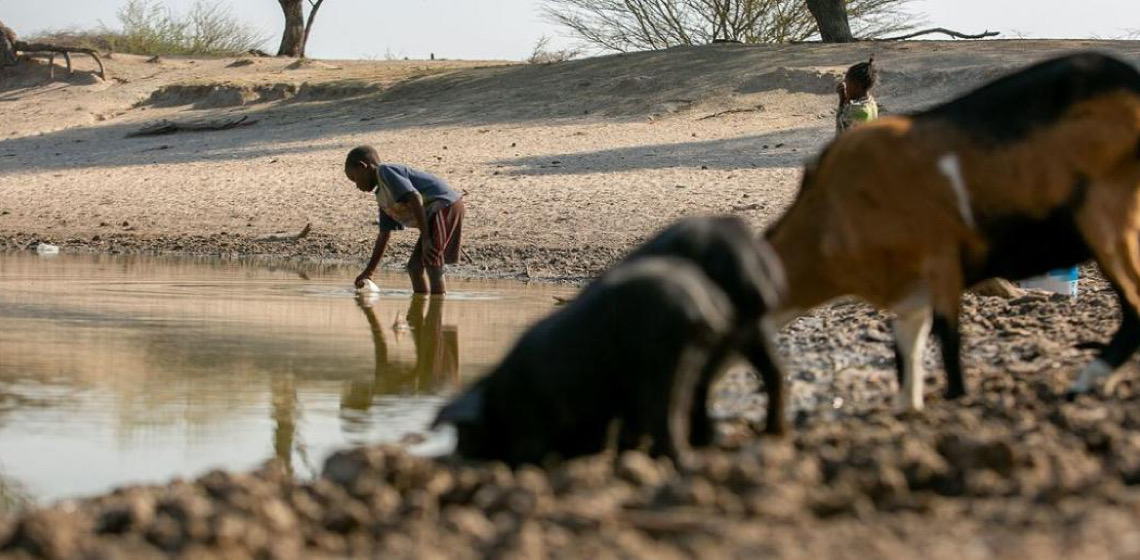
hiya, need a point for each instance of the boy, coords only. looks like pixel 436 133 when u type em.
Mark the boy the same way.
pixel 856 105
pixel 410 198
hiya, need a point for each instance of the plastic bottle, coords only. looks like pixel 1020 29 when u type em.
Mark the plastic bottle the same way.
pixel 1060 281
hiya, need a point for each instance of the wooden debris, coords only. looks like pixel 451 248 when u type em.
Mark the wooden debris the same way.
pixel 942 30
pixel 165 126
pixel 755 109
pixel 11 46
pixel 286 236
pixel 998 287
pixel 53 50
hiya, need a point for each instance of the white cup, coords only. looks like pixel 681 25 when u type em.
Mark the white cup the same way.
pixel 369 287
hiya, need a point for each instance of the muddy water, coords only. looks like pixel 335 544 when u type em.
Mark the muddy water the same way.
pixel 133 370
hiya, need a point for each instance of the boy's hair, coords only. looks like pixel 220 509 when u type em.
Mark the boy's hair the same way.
pixel 362 154
pixel 864 73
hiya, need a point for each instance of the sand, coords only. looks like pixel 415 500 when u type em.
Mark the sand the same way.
pixel 565 166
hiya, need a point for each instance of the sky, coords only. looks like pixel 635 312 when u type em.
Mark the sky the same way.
pixel 508 29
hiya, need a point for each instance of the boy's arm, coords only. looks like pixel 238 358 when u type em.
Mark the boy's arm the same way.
pixel 374 261
pixel 416 203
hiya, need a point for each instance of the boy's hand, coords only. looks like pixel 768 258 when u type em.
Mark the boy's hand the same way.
pixel 374 261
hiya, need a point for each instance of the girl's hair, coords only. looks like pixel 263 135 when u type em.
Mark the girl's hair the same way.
pixel 864 73
pixel 365 154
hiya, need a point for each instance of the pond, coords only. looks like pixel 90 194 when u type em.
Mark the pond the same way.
pixel 125 370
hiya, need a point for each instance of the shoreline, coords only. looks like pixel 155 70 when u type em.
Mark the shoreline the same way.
pixel 245 249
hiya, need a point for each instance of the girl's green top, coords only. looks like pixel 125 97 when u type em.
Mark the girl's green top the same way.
pixel 856 112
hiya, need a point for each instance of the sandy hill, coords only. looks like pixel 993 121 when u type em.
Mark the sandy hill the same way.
pixel 565 165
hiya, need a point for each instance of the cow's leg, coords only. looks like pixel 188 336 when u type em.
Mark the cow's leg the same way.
pixel 946 328
pixel 1122 272
pixel 761 354
pixel 670 415
pixel 701 429
pixel 1109 221
pixel 911 328
pixel 946 296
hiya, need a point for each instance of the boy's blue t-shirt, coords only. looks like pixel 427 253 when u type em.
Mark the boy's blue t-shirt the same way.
pixel 395 182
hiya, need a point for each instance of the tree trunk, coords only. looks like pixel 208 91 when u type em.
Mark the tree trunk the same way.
pixel 309 26
pixel 293 41
pixel 831 17
pixel 7 45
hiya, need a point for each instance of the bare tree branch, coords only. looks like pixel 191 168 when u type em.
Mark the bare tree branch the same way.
pixel 630 25
pixel 954 34
pixel 315 5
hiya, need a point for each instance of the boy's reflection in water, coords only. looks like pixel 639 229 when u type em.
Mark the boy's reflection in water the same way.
pixel 283 397
pixel 436 365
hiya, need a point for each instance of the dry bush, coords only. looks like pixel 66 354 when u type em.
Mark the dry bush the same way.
pixel 543 54
pixel 149 27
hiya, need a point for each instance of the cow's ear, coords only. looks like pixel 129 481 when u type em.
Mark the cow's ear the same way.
pixel 465 409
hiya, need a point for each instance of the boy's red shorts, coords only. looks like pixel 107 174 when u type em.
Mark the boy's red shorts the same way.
pixel 444 235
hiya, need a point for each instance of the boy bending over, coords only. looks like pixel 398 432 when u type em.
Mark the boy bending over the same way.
pixel 410 198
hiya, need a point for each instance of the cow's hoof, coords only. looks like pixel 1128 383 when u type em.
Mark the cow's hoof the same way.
pixel 953 394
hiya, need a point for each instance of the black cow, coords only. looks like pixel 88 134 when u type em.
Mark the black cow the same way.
pixel 631 349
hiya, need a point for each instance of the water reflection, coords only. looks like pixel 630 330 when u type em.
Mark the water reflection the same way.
pixel 128 370
pixel 435 366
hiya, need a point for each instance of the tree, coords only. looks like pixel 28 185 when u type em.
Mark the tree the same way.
pixel 831 20
pixel 297 28
pixel 11 46
pixel 630 25
pixel 8 40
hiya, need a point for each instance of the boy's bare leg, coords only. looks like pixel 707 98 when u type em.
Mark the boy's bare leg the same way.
pixel 415 268
pixel 416 273
pixel 435 277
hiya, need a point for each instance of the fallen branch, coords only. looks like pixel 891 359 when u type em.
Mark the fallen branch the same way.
pixel 170 127
pixel 755 109
pixel 285 236
pixel 26 48
pixel 942 30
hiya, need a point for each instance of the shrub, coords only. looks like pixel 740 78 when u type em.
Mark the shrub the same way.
pixel 543 54
pixel 148 27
